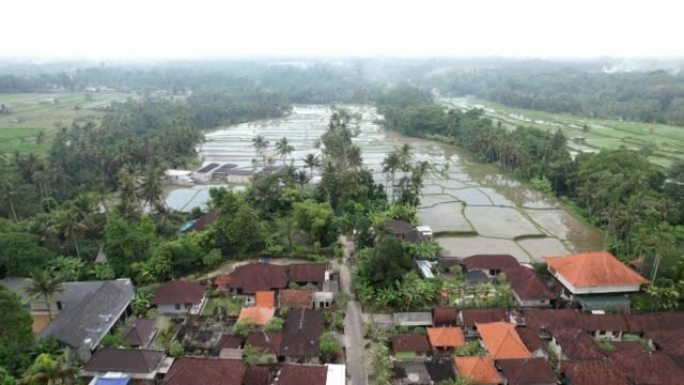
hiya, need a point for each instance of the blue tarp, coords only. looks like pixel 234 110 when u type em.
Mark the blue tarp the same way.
pixel 112 381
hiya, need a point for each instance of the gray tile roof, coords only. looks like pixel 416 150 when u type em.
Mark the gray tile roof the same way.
pixel 90 309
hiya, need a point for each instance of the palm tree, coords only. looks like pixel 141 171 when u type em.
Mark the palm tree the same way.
pixel 151 190
pixel 50 370
pixel 311 161
pixel 390 165
pixel 67 223
pixel 128 183
pixel 45 285
pixel 405 156
pixel 9 193
pixel 260 145
pixel 284 149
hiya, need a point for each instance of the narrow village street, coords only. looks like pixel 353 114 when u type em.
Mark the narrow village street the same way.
pixel 353 324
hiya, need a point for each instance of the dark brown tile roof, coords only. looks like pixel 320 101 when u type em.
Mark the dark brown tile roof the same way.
pixel 203 222
pixel 605 322
pixel 296 298
pixel 257 375
pixel 527 285
pixel 178 292
pixel 301 333
pixel 292 374
pixel 141 332
pixel 486 315
pixel 648 368
pixel 529 337
pixel 205 371
pixel 592 372
pixel 527 371
pixel 490 262
pixel 642 323
pixel 669 341
pixel 254 277
pixel 551 319
pixel 629 347
pixel 404 230
pixel 577 344
pixel 266 341
pixel 411 342
pixel 124 360
pixel 445 316
pixel 307 272
pixel 229 342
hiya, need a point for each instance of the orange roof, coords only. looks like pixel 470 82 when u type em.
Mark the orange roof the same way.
pixel 222 280
pixel 599 268
pixel 446 337
pixel 502 341
pixel 265 298
pixel 480 370
pixel 258 315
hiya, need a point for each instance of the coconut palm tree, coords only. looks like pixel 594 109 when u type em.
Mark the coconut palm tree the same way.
pixel 405 156
pixel 129 190
pixel 311 161
pixel 50 370
pixel 390 165
pixel 260 144
pixel 44 284
pixel 284 149
pixel 151 190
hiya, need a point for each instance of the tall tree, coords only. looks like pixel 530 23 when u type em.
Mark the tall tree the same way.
pixel 260 145
pixel 390 165
pixel 284 149
pixel 312 162
pixel 16 336
pixel 51 370
pixel 44 284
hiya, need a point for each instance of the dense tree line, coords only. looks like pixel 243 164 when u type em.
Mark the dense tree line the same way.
pixel 638 204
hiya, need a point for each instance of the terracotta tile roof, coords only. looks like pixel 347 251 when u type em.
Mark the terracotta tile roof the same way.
pixel 648 368
pixel 527 371
pixel 445 316
pixel 592 372
pixel 301 333
pixel 258 315
pixel 577 344
pixel 527 285
pixel 124 360
pixel 551 319
pixel 265 298
pixel 669 341
pixel 410 342
pixel 178 292
pixel 490 262
pixel 267 341
pixel 501 340
pixel 594 269
pixel 205 371
pixel 292 374
pixel 296 298
pixel 257 375
pixel 254 277
pixel 473 316
pixel 530 337
pixel 481 370
pixel 605 322
pixel 203 222
pixel 307 272
pixel 229 342
pixel 141 332
pixel 222 280
pixel 642 323
pixel 446 337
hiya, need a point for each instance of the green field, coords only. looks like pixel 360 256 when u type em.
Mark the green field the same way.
pixel 33 113
pixel 666 141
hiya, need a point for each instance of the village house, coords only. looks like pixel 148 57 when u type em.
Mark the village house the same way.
pixel 83 312
pixel 604 326
pixel 592 372
pixel 268 343
pixel 179 297
pixel 489 264
pixel 479 369
pixel 230 347
pixel 645 367
pixel 178 177
pixel 532 341
pixel 206 370
pixel 402 230
pixel 412 319
pixel 301 333
pixel 204 173
pixel 502 341
pixel 411 372
pixel 527 371
pixel 445 338
pixel 141 333
pixel 527 288
pixel 410 345
pixel 575 344
pixel 469 317
pixel 200 224
pixel 445 316
pixel 257 315
pixel 546 321
pixel 596 280
pixel 296 298
pixel 142 366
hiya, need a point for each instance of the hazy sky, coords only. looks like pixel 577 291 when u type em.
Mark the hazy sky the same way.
pixel 202 28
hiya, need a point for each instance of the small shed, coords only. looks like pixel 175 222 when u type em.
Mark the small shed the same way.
pixel 412 319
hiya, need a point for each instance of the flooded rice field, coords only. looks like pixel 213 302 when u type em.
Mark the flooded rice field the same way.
pixel 472 208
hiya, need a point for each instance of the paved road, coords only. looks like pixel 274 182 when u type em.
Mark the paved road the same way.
pixel 353 324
